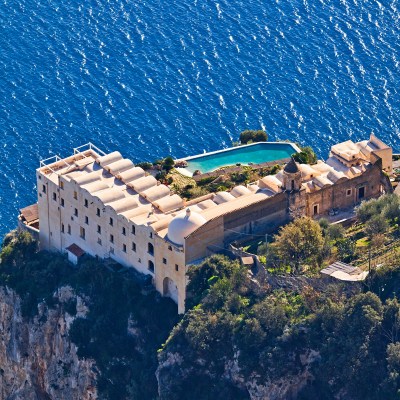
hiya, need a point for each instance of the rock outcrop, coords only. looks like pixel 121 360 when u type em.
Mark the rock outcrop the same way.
pixel 37 358
pixel 171 369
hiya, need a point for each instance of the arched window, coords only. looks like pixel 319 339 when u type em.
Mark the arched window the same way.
pixel 170 289
pixel 151 266
pixel 150 249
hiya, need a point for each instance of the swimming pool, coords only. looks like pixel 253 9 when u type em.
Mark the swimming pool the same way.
pixel 255 153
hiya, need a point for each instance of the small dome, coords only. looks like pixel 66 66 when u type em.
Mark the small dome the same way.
pixel 183 225
pixel 291 167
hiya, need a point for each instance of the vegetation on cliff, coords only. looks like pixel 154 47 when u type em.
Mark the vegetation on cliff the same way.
pixel 348 342
pixel 124 328
pixel 243 335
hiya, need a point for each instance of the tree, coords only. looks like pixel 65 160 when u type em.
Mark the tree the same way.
pixel 323 223
pixel 299 242
pixel 378 240
pixel 205 275
pixel 168 163
pixel 250 136
pixel 335 232
pixel 346 249
pixel 306 156
pixel 390 206
pixel 376 225
pixel 367 209
pixel 393 361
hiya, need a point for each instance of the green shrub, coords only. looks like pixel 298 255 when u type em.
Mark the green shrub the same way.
pixel 240 177
pixel 168 163
pixel 145 165
pixel 306 156
pixel 206 181
pixel 251 136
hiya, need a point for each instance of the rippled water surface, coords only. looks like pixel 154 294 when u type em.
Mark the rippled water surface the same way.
pixel 152 78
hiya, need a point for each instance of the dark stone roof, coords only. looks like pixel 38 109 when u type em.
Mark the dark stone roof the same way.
pixel 75 250
pixel 30 213
pixel 291 167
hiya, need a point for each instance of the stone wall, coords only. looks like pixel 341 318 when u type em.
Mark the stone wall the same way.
pixel 264 217
pixel 346 193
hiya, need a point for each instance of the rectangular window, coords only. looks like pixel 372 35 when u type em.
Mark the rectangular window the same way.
pixel 111 222
pixel 112 250
pixel 99 241
pixel 124 231
pixel 76 212
pixel 151 235
pixel 348 192
pixel 61 184
pixel 75 195
pixel 133 246
pixel 124 248
pixel 62 228
pixel 112 238
pixel 86 220
pixel 69 229
pixel 176 267
pixel 62 203
pixel 98 229
pixel 82 233
pixel 98 212
pixel 164 260
pixel 170 248
pixel 54 197
pixel 133 230
pixel 44 188
pixel 86 203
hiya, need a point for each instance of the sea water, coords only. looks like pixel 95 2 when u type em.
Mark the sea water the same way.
pixel 157 78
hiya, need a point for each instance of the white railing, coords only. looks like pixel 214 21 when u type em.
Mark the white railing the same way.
pixel 48 162
pixel 86 147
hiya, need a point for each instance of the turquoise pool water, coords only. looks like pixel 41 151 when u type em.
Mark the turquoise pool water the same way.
pixel 253 153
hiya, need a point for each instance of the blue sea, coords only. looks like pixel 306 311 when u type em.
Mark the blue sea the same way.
pixel 157 78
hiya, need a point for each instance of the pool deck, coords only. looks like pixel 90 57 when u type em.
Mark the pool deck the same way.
pixel 184 171
pixel 295 147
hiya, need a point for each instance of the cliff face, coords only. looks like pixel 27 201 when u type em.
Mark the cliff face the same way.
pixel 172 368
pixel 37 359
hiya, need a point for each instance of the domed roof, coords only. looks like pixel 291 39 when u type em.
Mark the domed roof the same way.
pixel 183 225
pixel 291 167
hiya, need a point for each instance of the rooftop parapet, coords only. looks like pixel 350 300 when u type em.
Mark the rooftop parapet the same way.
pixel 57 165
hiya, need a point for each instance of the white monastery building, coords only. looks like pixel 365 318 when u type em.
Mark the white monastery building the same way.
pixel 103 205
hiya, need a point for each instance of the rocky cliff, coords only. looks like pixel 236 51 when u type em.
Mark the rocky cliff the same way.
pixel 94 332
pixel 37 358
pixel 76 333
pixel 172 369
